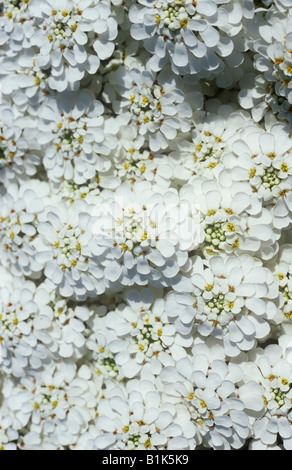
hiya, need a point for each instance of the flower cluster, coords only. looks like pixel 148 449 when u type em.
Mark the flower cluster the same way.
pixel 145 219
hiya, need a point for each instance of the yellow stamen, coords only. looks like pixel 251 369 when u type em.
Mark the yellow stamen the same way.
pixel 230 228
pixel 37 81
pixel 252 173
pixel 142 169
pixel 209 287
pixel 278 60
pixel 147 444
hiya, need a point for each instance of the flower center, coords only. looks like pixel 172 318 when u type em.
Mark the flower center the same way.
pixel 62 27
pixel 67 136
pixel 48 398
pixel 279 397
pixel 68 249
pixel 172 17
pixel 149 335
pixel 11 236
pixel 132 438
pixel 210 147
pixel 270 178
pixel 109 364
pixel 70 141
pixel 216 304
pixel 132 229
pixel 215 234
pixel 135 164
pixel 73 191
pixel 145 105
pixel 6 154
pixel 200 415
pixel 8 321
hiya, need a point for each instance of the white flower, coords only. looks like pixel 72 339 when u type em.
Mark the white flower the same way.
pixel 206 154
pixel 236 308
pixel 20 345
pixel 145 236
pixel 203 389
pixel 271 161
pixel 145 225
pixel 264 162
pixel 8 435
pixel 24 82
pixel 154 105
pixel 102 357
pixel 134 417
pixel 72 192
pixel 75 145
pixel 182 308
pixel 274 376
pixel 273 60
pixel 143 335
pixel 232 218
pixel 134 161
pixel 194 37
pixel 18 146
pixel 19 211
pixel 64 250
pixel 56 402
pixel 283 276
pixel 63 326
pixel 63 31
pixel 15 25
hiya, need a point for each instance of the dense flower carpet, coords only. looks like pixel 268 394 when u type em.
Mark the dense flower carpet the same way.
pixel 145 225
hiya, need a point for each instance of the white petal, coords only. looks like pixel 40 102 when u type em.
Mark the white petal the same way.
pixel 210 36
pixel 138 32
pixel 206 7
pixel 113 271
pixel 104 49
pixel 166 248
pixel 180 55
pixel 47 231
pixel 267 142
pixel 80 37
pixel 284 428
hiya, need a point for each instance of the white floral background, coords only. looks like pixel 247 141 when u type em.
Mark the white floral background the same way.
pixel 145 224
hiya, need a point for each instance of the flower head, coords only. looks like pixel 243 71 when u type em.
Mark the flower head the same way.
pixel 203 389
pixel 156 107
pixel 64 251
pixel 195 37
pixel 62 33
